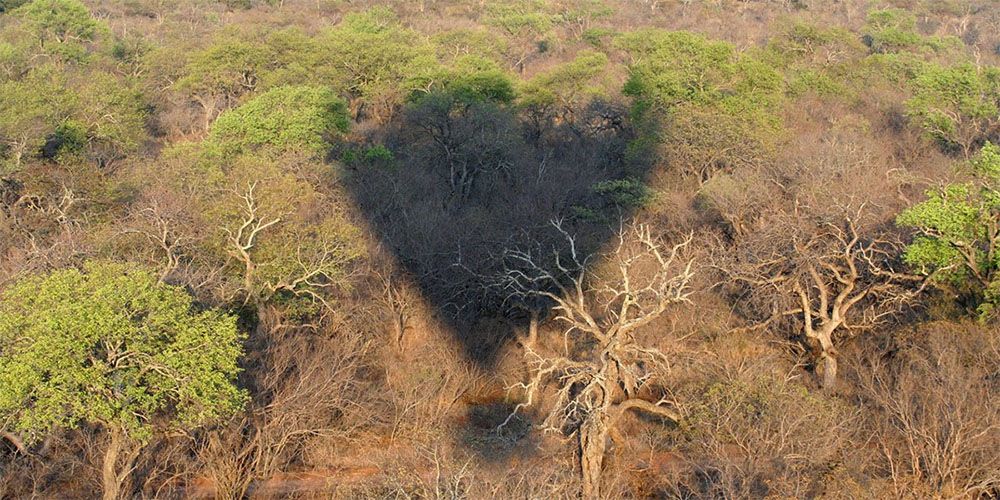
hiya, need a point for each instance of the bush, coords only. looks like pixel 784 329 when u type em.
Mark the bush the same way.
pixel 956 241
pixel 284 118
pixel 958 106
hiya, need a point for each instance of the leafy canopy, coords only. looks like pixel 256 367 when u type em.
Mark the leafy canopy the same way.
pixel 958 232
pixel 372 57
pixel 111 345
pixel 895 30
pixel 568 85
pixel 284 118
pixel 675 68
pixel 470 78
pixel 59 20
pixel 958 105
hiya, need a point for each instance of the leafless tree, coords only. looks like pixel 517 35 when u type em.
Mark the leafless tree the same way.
pixel 830 280
pixel 934 411
pixel 602 371
pixel 305 386
pixel 313 266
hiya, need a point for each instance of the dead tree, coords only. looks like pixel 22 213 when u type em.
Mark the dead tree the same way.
pixel 602 371
pixel 827 282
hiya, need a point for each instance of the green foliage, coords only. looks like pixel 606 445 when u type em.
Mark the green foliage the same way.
pixel 281 119
pixel 612 197
pixel 240 62
pixel 890 30
pixel 454 44
pixel 521 17
pixel 30 110
pixel 471 78
pixel 569 84
pixel 378 153
pixel 62 27
pixel 113 346
pixel 816 59
pixel 114 113
pixel 958 106
pixel 706 106
pixel 681 68
pixel 8 5
pixel 58 98
pixel 69 138
pixel 306 250
pixel 895 30
pixel 625 193
pixel 597 36
pixel 371 57
pixel 230 67
pixel 958 232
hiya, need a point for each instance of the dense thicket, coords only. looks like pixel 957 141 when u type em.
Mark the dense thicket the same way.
pixel 532 248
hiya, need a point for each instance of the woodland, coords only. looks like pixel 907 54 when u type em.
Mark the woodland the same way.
pixel 539 249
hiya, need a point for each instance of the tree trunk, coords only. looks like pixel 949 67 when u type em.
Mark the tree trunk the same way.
pixel 829 371
pixel 533 329
pixel 593 442
pixel 109 475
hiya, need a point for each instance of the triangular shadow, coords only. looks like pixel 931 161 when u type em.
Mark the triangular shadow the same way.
pixel 448 186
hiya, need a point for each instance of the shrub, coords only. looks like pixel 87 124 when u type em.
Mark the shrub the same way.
pixel 284 118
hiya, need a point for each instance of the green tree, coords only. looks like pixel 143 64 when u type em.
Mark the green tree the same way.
pixel 471 78
pixel 7 5
pixel 60 26
pixel 958 106
pixel 112 346
pixel 219 75
pixel 957 228
pixel 375 61
pixel 566 88
pixel 895 30
pixel 281 119
pixel 704 106
pixel 678 68
pixel 521 17
pixel 240 62
pixel 30 110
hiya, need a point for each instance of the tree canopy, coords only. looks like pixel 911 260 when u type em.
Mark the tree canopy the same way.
pixel 111 345
pixel 958 232
pixel 283 118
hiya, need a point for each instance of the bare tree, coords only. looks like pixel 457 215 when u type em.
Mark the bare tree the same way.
pixel 304 259
pixel 935 415
pixel 305 387
pixel 828 279
pixel 602 371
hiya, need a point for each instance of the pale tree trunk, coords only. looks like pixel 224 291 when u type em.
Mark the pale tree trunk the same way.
pixel 593 443
pixel 119 462
pixel 533 329
pixel 109 473
pixel 829 371
pixel 829 355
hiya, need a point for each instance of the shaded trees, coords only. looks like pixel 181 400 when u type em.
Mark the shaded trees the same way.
pixel 472 138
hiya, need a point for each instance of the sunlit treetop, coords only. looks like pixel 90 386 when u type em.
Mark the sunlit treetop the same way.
pixel 112 345
pixel 958 232
pixel 284 118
